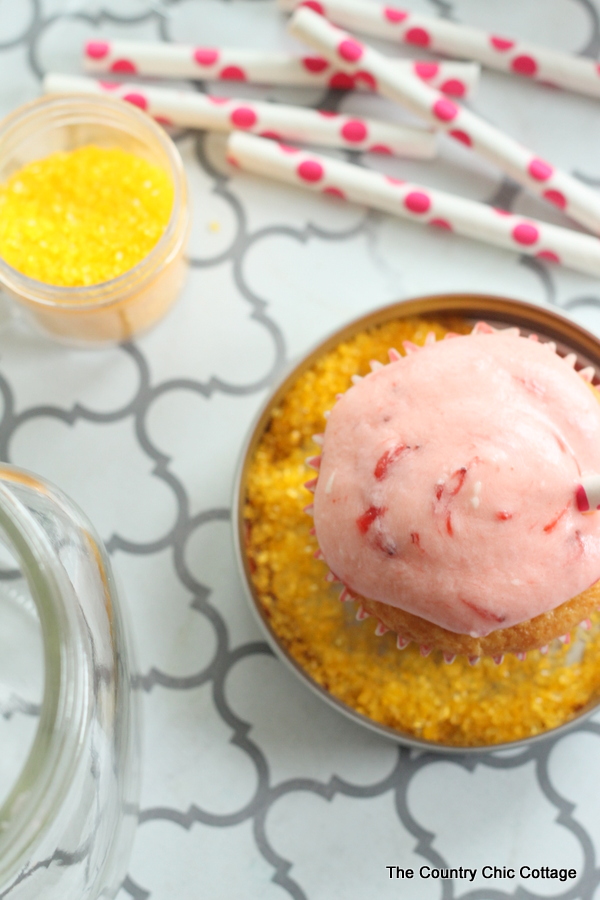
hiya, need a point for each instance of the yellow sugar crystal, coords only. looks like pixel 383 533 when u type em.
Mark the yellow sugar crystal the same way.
pixel 457 704
pixel 83 217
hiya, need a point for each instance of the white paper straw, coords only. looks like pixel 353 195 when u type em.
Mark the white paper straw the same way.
pixel 531 60
pixel 412 201
pixel 166 60
pixel 581 202
pixel 587 494
pixel 293 123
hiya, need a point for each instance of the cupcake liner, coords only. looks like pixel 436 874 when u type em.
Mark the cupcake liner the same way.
pixel 403 642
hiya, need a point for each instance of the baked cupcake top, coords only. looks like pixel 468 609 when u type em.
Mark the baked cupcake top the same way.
pixel 447 483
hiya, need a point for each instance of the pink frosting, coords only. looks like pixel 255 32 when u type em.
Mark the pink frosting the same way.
pixel 447 483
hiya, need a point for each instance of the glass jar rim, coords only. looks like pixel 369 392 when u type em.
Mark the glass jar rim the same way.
pixel 117 113
pixel 45 776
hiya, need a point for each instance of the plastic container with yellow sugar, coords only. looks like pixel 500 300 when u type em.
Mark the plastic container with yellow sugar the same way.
pixel 93 218
pixel 81 217
pixel 419 700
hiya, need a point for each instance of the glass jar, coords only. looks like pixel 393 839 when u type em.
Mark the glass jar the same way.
pixel 118 309
pixel 68 778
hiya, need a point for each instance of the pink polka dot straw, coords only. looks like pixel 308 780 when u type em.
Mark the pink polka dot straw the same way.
pixel 418 204
pixel 293 123
pixel 587 494
pixel 581 202
pixel 167 60
pixel 564 70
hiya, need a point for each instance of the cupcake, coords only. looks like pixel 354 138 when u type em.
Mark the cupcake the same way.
pixel 446 496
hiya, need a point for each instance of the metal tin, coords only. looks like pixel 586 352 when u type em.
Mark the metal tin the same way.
pixel 502 311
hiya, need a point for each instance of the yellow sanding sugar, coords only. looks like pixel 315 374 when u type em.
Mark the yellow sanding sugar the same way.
pixel 457 704
pixel 83 217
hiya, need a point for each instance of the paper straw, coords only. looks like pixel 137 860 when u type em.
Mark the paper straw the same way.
pixel 564 70
pixel 293 123
pixel 259 66
pixel 587 494
pixel 416 203
pixel 581 202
